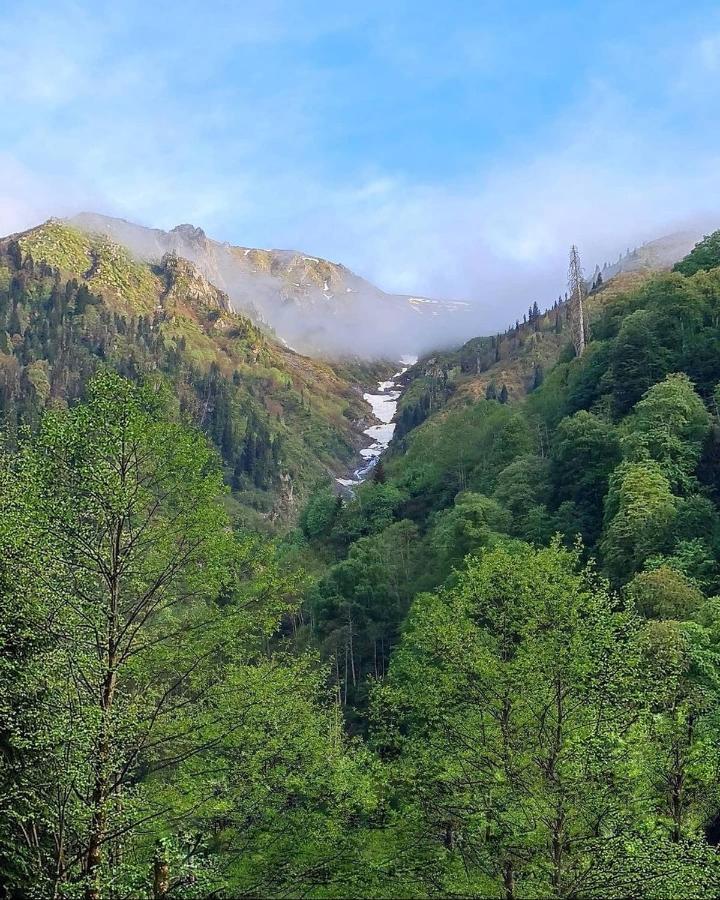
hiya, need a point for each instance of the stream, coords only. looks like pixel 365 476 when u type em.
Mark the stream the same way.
pixel 384 405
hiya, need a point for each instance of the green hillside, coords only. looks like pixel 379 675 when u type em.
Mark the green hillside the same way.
pixel 464 467
pixel 494 671
pixel 72 302
pixel 516 360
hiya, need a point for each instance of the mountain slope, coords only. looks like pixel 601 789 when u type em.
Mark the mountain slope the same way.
pixel 70 301
pixel 582 454
pixel 518 359
pixel 318 306
pixel 662 253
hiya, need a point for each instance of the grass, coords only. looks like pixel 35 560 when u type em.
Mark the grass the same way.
pixel 107 268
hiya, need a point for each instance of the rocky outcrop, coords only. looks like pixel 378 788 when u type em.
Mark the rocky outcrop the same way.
pixel 186 283
pixel 317 306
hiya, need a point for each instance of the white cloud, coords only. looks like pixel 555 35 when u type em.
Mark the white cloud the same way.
pixel 122 132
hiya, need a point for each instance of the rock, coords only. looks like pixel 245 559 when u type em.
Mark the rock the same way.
pixel 186 282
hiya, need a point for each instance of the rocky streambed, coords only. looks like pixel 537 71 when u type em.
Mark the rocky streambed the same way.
pixel 384 405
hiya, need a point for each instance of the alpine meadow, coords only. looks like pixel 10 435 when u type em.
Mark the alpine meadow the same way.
pixel 395 577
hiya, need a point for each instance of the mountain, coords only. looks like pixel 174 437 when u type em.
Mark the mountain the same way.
pixel 620 446
pixel 316 306
pixel 519 358
pixel 661 253
pixel 491 671
pixel 71 301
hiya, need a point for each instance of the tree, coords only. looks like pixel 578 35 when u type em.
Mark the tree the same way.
pixel 639 509
pixel 637 360
pixel 14 324
pixel 126 508
pixel 122 549
pixel 360 603
pixel 576 287
pixel 705 255
pixel 277 799
pixel 469 525
pixel 538 376
pixel 669 425
pixel 523 489
pixel 319 514
pixel 664 593
pixel 503 394
pixel 680 759
pixel 507 706
pixel 584 451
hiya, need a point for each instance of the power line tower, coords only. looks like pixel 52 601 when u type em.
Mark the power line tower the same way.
pixel 576 290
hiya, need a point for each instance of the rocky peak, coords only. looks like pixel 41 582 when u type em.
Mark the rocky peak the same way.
pixel 185 282
pixel 189 233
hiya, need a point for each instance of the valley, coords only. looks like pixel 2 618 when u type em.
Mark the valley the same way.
pixel 294 652
pixel 359 451
pixel 384 407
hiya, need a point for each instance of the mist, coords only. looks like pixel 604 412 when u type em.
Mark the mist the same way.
pixel 434 156
pixel 315 307
pixel 325 310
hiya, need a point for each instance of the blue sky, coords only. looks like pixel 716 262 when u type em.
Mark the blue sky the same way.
pixel 454 148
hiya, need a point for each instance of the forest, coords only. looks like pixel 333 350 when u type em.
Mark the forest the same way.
pixel 493 671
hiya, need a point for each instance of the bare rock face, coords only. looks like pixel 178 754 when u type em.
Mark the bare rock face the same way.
pixel 187 232
pixel 185 282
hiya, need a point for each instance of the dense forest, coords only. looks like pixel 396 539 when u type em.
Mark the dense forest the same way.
pixel 494 671
pixel 70 303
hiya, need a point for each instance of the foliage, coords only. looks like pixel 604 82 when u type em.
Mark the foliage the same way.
pixel 452 700
pixel 272 414
pixel 146 627
pixel 705 255
pixel 508 707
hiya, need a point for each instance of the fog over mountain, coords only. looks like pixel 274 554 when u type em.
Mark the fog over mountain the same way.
pixel 450 156
pixel 315 306
pixel 323 308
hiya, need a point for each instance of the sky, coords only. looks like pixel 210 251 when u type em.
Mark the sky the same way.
pixel 450 149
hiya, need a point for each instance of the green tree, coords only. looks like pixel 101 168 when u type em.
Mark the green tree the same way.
pixel 584 452
pixel 319 514
pixel 359 605
pixel 507 706
pixel 669 425
pixel 636 361
pixel 523 489
pixel 680 759
pixel 126 508
pixel 705 255
pixel 664 593
pixel 469 525
pixel 144 615
pixel 639 509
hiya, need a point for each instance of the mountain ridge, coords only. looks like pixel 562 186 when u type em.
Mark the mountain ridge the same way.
pixel 513 363
pixel 320 307
pixel 71 302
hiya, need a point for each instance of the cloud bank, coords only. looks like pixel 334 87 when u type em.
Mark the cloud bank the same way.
pixel 295 125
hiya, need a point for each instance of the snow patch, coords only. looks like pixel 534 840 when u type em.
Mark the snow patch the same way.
pixel 384 406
